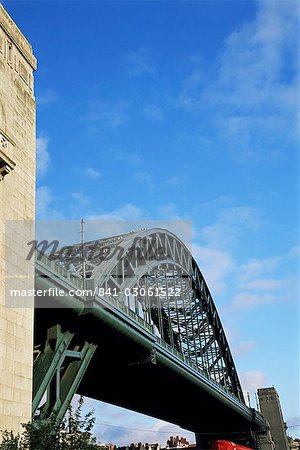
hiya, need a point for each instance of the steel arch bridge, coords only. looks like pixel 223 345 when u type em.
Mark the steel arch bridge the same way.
pixel 147 285
pixel 154 274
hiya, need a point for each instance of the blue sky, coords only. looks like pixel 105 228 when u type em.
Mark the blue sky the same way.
pixel 182 111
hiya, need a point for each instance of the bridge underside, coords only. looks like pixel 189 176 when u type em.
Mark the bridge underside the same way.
pixel 159 348
pixel 124 372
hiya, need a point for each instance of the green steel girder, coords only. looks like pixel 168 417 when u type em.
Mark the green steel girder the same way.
pixel 57 373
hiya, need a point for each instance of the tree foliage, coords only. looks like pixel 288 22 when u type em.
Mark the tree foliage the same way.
pixel 75 433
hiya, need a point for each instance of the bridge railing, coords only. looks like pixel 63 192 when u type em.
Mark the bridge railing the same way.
pixel 58 269
pixel 204 373
pixel 131 313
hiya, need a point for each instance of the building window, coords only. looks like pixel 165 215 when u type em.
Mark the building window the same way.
pixel 1 45
pixel 6 164
pixel 23 72
pixel 9 53
pixel 5 169
pixel 3 143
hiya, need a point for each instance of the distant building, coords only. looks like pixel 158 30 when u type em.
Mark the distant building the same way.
pixel 140 446
pixel 178 442
pixel 107 447
pixel 271 410
pixel 294 444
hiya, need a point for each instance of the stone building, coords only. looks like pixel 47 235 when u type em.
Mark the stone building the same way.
pixel 271 410
pixel 17 210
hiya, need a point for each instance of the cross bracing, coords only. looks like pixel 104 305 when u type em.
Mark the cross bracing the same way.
pixel 153 274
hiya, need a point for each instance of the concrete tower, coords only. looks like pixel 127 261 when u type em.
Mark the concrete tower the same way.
pixel 271 410
pixel 17 210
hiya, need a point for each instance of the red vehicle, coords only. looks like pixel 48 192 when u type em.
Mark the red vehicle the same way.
pixel 226 445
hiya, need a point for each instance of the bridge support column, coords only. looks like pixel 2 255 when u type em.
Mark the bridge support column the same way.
pixel 58 371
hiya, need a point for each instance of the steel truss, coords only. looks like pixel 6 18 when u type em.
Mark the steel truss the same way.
pixel 57 372
pixel 154 274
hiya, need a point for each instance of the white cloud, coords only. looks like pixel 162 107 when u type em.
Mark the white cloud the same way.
pixel 245 216
pixel 140 63
pixel 250 68
pixel 294 252
pixel 267 284
pixel 251 283
pixel 160 432
pixel 258 267
pixel 245 300
pixel 252 93
pixel 45 205
pixel 242 348
pixel 129 211
pixel 230 224
pixel 264 281
pixel 47 98
pixel 80 199
pixel 169 211
pixel 253 380
pixel 126 212
pixel 43 200
pixel 216 265
pixel 90 172
pixel 42 155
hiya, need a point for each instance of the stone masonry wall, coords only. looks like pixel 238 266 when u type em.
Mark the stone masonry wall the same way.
pixel 17 204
